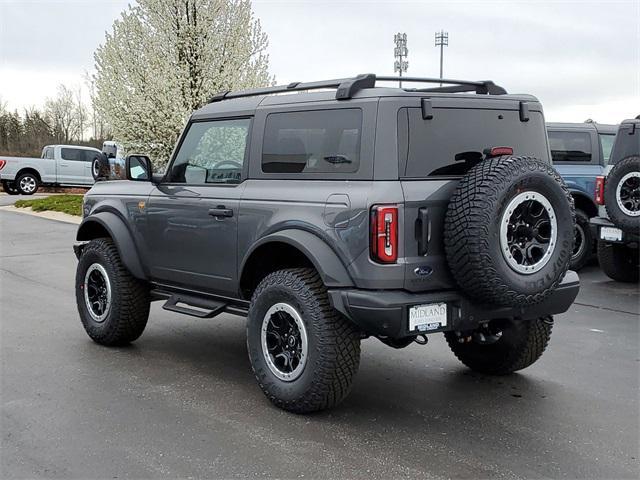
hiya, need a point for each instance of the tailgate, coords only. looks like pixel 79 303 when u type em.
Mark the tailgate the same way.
pixel 424 210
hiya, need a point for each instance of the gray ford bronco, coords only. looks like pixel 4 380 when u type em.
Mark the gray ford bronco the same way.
pixel 333 211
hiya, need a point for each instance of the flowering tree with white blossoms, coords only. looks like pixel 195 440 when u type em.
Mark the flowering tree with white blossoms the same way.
pixel 165 58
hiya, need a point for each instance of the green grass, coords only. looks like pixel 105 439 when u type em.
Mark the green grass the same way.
pixel 71 204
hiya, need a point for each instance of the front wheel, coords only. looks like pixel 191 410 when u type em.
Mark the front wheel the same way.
pixel 502 346
pixel 304 354
pixel 113 305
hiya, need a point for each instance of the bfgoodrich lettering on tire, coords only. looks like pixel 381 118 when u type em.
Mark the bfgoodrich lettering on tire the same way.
pixel 304 354
pixel 509 231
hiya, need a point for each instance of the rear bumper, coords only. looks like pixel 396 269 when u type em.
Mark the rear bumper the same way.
pixel 627 238
pixel 386 312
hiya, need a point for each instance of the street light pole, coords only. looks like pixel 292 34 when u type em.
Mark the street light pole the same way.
pixel 400 53
pixel 442 40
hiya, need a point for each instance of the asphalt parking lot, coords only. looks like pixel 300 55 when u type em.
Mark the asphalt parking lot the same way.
pixel 182 401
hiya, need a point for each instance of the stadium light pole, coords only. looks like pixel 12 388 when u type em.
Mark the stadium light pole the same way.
pixel 400 53
pixel 442 40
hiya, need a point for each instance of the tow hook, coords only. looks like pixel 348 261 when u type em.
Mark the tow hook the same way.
pixel 421 339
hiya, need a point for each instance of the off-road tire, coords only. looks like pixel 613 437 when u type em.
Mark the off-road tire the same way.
pixel 586 250
pixel 130 298
pixel 521 344
pixel 333 343
pixel 621 219
pixel 26 175
pixel 619 262
pixel 472 231
pixel 9 187
pixel 100 167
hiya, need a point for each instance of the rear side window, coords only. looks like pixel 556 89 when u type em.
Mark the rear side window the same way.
pixel 451 141
pixel 570 147
pixel 75 154
pixel 606 141
pixel 48 153
pixel 320 141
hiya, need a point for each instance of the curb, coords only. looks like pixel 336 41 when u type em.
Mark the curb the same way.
pixel 49 215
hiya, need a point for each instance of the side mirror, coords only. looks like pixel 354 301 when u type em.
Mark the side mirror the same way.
pixel 138 168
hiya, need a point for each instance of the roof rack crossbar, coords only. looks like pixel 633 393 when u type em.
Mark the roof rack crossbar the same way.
pixel 347 87
pixel 486 87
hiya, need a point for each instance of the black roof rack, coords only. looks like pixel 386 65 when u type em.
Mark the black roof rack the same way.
pixel 347 87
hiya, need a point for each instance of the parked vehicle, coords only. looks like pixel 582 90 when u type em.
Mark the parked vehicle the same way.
pixel 328 217
pixel 618 194
pixel 59 165
pixel 580 152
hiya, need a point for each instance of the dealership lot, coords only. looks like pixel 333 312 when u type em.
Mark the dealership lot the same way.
pixel 182 401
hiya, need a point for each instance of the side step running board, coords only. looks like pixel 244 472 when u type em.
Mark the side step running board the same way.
pixel 204 308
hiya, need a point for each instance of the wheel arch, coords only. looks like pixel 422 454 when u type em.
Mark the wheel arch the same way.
pixel 584 203
pixel 291 248
pixel 110 225
pixel 28 170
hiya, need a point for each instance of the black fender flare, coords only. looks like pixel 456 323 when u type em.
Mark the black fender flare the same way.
pixel 120 235
pixel 325 260
pixel 580 196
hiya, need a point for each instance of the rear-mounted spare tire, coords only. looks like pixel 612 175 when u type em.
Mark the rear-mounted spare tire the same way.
pixel 509 231
pixel 622 194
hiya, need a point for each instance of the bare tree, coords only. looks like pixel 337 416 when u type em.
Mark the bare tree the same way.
pixel 61 113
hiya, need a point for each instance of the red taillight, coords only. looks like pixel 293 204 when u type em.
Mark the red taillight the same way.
pixel 599 193
pixel 384 234
pixel 498 151
pixel 2 164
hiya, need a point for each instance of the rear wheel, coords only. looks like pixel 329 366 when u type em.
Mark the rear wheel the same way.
pixel 113 305
pixel 583 242
pixel 619 262
pixel 502 346
pixel 27 183
pixel 9 187
pixel 304 354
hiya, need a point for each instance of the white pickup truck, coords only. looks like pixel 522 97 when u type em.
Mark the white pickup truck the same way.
pixel 64 165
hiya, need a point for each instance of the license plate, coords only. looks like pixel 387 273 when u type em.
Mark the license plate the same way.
pixel 427 317
pixel 611 234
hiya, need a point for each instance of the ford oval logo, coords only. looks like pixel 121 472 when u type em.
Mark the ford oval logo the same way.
pixel 423 271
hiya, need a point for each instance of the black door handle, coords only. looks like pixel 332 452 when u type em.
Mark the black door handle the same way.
pixel 221 211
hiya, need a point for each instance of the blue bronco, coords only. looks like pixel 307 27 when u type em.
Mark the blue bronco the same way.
pixel 580 153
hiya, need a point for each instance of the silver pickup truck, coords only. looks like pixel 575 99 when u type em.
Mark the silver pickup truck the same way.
pixel 64 165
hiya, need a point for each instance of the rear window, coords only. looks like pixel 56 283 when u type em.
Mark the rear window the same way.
pixel 449 142
pixel 320 141
pixel 570 147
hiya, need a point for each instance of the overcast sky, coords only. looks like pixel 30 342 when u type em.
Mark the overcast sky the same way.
pixel 581 58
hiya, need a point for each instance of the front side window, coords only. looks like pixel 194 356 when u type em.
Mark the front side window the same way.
pixel 320 141
pixel 211 152
pixel 570 147
pixel 75 154
pixel 607 141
